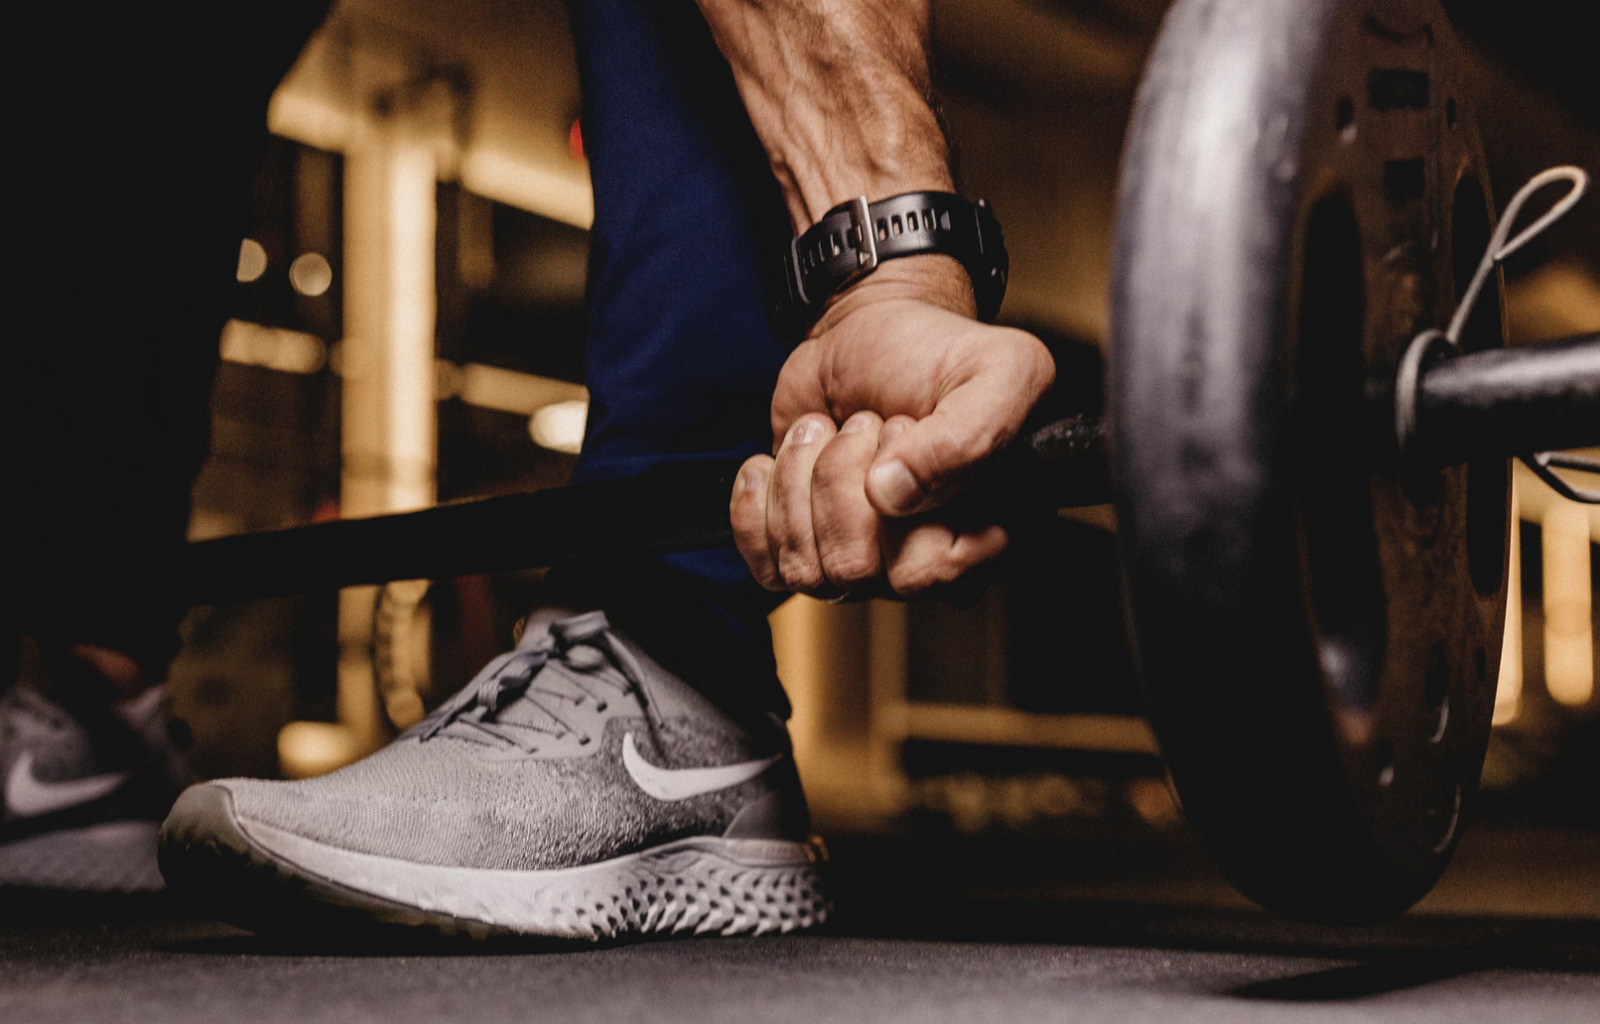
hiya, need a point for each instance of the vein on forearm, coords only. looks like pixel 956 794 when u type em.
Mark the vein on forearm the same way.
pixel 838 92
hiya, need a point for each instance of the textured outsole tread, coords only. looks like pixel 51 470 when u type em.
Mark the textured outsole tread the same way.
pixel 677 889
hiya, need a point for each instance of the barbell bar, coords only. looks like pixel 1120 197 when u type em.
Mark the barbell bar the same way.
pixel 1487 404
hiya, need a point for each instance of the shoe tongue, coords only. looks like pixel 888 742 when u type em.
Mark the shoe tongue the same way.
pixel 536 627
pixel 573 658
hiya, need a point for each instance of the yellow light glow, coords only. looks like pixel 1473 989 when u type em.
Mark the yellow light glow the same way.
pixel 306 115
pixel 252 261
pixel 1555 301
pixel 386 357
pixel 1508 692
pixel 272 347
pixel 559 426
pixel 446 379
pixel 388 429
pixel 560 191
pixel 494 387
pixel 797 637
pixel 1568 635
pixel 311 274
pixel 307 749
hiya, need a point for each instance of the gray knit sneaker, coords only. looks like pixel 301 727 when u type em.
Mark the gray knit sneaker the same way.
pixel 84 793
pixel 574 789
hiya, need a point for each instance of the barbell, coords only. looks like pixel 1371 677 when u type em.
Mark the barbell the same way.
pixel 1311 410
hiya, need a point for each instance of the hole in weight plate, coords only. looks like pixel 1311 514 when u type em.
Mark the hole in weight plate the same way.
pixel 1340 546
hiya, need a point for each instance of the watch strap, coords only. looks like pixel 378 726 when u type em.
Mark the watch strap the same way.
pixel 853 238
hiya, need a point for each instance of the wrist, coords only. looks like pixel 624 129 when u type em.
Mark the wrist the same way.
pixel 934 279
pixel 933 247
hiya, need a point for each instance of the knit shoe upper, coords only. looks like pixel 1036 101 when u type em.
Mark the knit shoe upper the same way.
pixel 83 791
pixel 569 768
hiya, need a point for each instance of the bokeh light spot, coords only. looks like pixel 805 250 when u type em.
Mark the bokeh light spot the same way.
pixel 311 274
pixel 252 261
pixel 559 426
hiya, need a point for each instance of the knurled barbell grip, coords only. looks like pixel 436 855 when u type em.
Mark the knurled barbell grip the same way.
pixel 1509 401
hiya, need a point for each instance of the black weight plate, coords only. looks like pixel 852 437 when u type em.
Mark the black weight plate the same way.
pixel 1319 632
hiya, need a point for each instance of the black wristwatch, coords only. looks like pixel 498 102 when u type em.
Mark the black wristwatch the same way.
pixel 854 237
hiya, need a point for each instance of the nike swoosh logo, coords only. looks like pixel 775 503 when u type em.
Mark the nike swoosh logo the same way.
pixel 27 796
pixel 672 784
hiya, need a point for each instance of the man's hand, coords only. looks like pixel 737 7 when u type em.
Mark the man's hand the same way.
pixel 899 394
pixel 883 414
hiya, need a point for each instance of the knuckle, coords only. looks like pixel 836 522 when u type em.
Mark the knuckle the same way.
pixel 907 580
pixel 978 443
pixel 759 561
pixel 848 565
pixel 852 556
pixel 748 536
pixel 791 492
pixel 759 465
pixel 922 570
pixel 955 451
pixel 800 574
pixel 846 537
pixel 763 573
pixel 749 532
pixel 972 550
pixel 946 571
pixel 744 509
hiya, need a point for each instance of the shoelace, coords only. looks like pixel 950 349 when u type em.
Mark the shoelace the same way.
pixel 583 644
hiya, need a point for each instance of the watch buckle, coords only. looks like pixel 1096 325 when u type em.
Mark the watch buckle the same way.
pixel 867 254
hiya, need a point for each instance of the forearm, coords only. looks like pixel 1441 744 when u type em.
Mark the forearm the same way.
pixel 838 93
pixel 898 393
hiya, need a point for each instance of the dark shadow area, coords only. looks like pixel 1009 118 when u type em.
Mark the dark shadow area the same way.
pixel 1129 889
pixel 36 923
pixel 1529 37
pixel 1359 981
pixel 1426 947
pixel 375 943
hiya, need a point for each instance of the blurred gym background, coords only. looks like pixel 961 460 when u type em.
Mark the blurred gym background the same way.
pixel 409 327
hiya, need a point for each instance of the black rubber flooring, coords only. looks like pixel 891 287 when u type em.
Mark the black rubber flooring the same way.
pixel 929 929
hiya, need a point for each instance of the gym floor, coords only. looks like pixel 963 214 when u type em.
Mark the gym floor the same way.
pixel 1101 928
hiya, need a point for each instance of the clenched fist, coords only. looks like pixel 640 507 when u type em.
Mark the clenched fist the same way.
pixel 884 414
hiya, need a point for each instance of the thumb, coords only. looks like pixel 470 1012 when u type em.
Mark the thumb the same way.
pixel 923 463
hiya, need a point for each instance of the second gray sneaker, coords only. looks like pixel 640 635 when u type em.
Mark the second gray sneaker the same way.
pixel 574 789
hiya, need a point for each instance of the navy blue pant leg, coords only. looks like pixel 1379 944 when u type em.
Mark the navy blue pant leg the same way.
pixel 679 358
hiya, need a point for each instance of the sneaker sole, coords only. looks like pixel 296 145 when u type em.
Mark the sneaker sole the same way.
pixel 242 872
pixel 113 856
